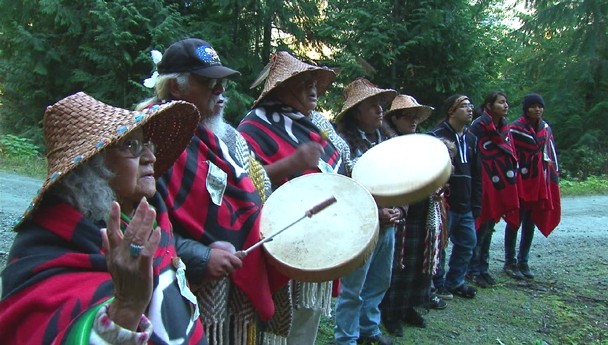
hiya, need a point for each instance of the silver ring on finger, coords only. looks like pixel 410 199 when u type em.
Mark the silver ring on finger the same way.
pixel 135 249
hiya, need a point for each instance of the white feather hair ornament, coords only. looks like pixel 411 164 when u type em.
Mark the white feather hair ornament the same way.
pixel 156 57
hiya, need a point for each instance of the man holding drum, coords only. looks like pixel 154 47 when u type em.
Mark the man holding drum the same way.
pixel 357 308
pixel 213 203
pixel 463 197
pixel 286 136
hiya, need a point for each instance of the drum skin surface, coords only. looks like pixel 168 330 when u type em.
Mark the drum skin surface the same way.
pixel 331 243
pixel 404 170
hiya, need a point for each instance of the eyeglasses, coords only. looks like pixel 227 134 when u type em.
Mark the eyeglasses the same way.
pixel 212 83
pixel 466 106
pixel 136 147
pixel 215 83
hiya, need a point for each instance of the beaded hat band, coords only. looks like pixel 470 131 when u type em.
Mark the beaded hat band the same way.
pixel 78 127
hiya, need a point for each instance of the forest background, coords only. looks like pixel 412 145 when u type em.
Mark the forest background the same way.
pixel 428 49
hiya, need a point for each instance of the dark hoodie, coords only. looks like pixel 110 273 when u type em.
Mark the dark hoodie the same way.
pixel 465 182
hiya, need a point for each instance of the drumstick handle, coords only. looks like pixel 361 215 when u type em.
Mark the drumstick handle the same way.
pixel 320 207
pixel 269 238
pixel 316 209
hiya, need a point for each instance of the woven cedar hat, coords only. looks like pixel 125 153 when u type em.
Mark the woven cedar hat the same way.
pixel 408 105
pixel 78 127
pixel 283 66
pixel 358 91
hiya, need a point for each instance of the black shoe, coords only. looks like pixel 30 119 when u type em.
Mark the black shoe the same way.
pixel 380 339
pixel 480 281
pixel 512 271
pixel 412 317
pixel 464 291
pixel 525 270
pixel 394 327
pixel 488 278
pixel 443 293
pixel 437 303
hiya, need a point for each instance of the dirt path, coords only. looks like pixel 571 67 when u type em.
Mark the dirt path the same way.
pixel 565 304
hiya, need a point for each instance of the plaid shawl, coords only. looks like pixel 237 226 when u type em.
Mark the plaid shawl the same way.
pixel 538 181
pixel 57 271
pixel 498 171
pixel 275 131
pixel 235 220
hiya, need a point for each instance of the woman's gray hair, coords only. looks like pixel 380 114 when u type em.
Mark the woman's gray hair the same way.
pixel 87 188
pixel 161 88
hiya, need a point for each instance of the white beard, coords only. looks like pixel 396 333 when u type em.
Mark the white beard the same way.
pixel 215 122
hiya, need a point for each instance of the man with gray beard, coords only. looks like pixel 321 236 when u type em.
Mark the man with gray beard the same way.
pixel 214 195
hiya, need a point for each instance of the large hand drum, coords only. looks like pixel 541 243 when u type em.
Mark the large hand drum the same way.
pixel 404 170
pixel 331 243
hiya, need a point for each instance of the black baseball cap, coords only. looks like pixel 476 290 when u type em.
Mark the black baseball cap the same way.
pixel 195 56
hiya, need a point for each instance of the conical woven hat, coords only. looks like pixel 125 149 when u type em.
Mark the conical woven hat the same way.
pixel 283 66
pixel 358 91
pixel 78 127
pixel 408 105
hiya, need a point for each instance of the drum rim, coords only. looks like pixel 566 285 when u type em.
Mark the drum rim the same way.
pixel 328 273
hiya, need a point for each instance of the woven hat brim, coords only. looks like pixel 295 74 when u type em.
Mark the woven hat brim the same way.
pixel 324 77
pixel 386 96
pixel 423 111
pixel 170 126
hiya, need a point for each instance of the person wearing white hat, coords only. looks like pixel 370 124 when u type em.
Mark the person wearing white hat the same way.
pixel 360 123
pixel 85 269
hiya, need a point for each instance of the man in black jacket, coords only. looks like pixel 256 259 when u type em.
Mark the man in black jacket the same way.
pixel 463 197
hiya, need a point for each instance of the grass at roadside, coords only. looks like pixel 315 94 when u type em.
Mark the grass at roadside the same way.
pixel 31 166
pixel 555 308
pixel 34 166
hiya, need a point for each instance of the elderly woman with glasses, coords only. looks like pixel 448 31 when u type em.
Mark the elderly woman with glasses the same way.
pixel 87 269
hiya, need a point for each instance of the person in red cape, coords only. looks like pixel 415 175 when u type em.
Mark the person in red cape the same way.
pixel 498 180
pixel 538 184
pixel 85 269
pixel 213 203
pixel 291 139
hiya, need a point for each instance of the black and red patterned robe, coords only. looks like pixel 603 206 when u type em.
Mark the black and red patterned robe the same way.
pixel 538 179
pixel 274 131
pixel 57 272
pixel 186 190
pixel 498 171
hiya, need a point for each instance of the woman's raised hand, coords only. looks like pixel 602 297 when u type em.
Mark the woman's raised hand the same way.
pixel 130 258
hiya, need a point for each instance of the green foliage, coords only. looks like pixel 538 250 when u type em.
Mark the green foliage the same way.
pixel 14 146
pixel 19 155
pixel 429 49
pixel 582 162
pixel 26 166
pixel 594 185
pixel 51 49
pixel 564 56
